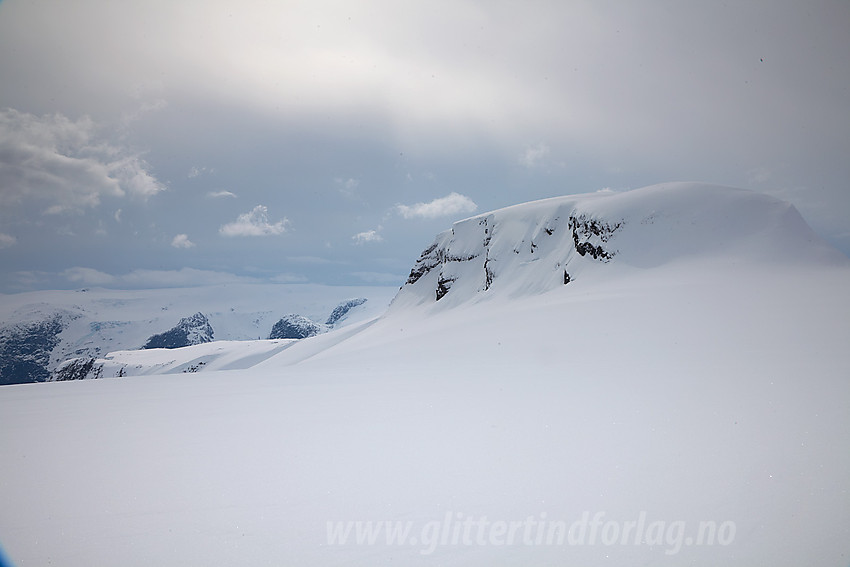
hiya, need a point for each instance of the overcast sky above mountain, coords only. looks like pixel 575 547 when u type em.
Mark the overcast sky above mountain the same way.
pixel 149 143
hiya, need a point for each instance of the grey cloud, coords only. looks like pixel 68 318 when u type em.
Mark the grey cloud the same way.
pixel 88 276
pixel 345 109
pixel 534 156
pixel 591 71
pixel 64 165
pixel 152 278
pixel 7 240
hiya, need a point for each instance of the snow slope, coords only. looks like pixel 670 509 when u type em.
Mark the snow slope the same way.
pixel 206 357
pixel 681 382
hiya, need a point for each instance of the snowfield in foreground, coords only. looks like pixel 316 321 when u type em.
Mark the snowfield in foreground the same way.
pixel 678 404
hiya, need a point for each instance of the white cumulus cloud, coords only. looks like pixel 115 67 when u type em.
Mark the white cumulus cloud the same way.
pixel 254 223
pixel 451 204
pixel 182 241
pixel 66 165
pixel 367 236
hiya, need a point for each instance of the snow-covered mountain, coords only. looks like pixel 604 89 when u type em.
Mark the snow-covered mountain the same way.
pixel 188 331
pixel 26 346
pixel 342 310
pixel 538 246
pixel 39 331
pixel 680 399
pixel 294 326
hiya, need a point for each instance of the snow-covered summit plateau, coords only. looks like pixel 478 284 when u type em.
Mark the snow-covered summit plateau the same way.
pixel 538 246
pixel 657 377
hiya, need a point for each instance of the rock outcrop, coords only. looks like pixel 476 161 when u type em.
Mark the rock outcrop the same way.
pixel 189 331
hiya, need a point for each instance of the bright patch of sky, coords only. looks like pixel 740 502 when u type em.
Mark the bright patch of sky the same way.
pixel 153 136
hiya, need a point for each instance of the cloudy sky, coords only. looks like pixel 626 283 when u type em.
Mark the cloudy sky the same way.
pixel 161 142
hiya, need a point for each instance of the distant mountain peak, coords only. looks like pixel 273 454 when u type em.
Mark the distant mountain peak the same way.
pixel 193 330
pixel 294 326
pixel 342 310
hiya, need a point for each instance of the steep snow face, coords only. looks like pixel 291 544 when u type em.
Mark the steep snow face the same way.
pixel 534 247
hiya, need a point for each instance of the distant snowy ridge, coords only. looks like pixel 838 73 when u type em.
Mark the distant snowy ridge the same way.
pixel 537 246
pixel 172 352
pixel 58 335
pixel 203 357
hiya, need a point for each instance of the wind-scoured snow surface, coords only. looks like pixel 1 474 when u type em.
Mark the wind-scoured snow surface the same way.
pixel 698 374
